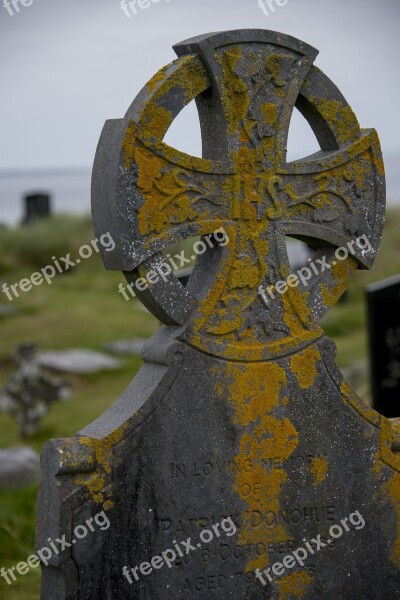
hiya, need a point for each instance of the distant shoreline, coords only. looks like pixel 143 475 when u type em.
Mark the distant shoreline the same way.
pixel 43 171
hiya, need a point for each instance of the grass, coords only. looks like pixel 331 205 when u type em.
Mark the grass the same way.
pixel 347 322
pixel 17 530
pixel 82 308
pixel 33 246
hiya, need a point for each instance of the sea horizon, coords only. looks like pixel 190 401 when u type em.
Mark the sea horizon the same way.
pixel 69 189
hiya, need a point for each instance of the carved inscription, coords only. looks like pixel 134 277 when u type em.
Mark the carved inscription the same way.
pixel 209 468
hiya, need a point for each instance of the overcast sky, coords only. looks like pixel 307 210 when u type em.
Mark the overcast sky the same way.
pixel 68 65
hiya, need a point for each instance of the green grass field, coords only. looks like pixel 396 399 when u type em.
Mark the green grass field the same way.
pixel 83 308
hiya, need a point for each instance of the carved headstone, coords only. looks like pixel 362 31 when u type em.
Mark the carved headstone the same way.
pixel 239 413
pixel 384 337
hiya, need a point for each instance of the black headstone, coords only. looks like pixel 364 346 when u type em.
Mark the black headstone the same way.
pixel 384 339
pixel 37 206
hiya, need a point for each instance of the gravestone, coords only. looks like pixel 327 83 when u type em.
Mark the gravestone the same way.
pixel 19 468
pixel 78 360
pixel 30 391
pixel 132 346
pixel 37 206
pixel 238 441
pixel 384 339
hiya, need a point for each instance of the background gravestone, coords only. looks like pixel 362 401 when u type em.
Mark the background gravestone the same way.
pixel 19 468
pixel 30 391
pixel 384 337
pixel 239 410
pixel 37 206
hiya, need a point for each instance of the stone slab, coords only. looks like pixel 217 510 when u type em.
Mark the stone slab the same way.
pixel 78 361
pixel 19 468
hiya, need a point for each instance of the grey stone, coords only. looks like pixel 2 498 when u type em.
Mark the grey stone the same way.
pixel 133 346
pixel 7 309
pixel 239 414
pixel 78 361
pixel 19 468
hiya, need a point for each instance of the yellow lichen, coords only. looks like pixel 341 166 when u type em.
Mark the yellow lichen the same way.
pixel 392 491
pixel 304 366
pixel 342 273
pixel 235 96
pixel 339 117
pixel 156 119
pixel 319 469
pixel 255 391
pixel 97 482
pixel 387 469
pixel 294 585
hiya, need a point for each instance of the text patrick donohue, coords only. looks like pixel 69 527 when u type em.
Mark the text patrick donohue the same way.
pixel 181 549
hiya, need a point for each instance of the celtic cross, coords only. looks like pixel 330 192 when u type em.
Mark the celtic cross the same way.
pixel 239 409
pixel 246 85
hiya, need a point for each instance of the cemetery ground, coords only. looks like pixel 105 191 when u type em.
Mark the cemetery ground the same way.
pixel 83 309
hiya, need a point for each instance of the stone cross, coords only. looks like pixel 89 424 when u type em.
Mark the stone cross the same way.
pixel 238 442
pixel 30 391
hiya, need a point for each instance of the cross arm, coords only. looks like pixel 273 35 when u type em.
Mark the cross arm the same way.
pixel 149 196
pixel 336 197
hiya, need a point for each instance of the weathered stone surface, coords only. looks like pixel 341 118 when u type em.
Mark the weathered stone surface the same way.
pixel 19 467
pixel 239 410
pixel 78 361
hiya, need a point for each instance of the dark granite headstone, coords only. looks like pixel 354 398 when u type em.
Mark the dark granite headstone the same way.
pixel 384 338
pixel 238 442
pixel 37 206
